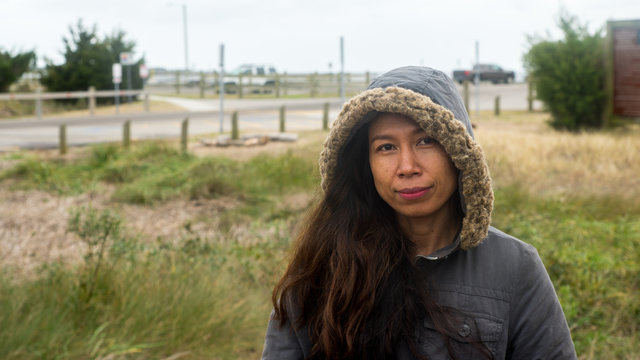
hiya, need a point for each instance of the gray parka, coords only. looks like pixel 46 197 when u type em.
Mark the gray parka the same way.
pixel 497 283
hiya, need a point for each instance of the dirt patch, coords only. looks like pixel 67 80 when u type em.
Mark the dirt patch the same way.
pixel 309 141
pixel 33 224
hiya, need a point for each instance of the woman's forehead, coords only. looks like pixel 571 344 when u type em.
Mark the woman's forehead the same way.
pixel 393 121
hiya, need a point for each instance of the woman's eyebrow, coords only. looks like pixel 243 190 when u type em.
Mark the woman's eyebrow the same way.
pixel 381 137
pixel 417 131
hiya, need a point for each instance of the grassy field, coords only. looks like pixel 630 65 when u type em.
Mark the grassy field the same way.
pixel 151 253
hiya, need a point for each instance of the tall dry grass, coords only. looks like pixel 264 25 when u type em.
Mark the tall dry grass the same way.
pixel 201 290
pixel 523 151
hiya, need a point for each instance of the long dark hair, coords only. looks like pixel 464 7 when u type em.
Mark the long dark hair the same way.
pixel 352 277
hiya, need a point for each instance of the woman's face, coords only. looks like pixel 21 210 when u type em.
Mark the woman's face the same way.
pixel 411 171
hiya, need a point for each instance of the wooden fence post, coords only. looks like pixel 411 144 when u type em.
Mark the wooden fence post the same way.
pixel 530 96
pixel 201 85
pixel 285 84
pixel 325 117
pixel 126 134
pixel 39 102
pixel 184 135
pixel 177 82
pixel 146 101
pixel 63 139
pixel 92 100
pixel 240 94
pixel 234 126
pixel 277 90
pixel 282 118
pixel 367 78
pixel 496 109
pixel 465 95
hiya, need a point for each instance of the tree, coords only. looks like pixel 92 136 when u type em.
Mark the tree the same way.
pixel 569 74
pixel 13 66
pixel 88 61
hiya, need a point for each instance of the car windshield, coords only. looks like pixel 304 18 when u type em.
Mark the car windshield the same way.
pixel 241 70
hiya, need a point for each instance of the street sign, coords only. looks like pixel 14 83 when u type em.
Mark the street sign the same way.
pixel 127 58
pixel 144 71
pixel 116 72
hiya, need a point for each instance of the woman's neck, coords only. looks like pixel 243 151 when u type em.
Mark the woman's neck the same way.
pixel 431 233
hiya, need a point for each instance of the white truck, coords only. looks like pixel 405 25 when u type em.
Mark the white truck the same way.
pixel 254 78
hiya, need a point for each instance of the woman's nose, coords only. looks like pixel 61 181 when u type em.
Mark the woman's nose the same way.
pixel 408 165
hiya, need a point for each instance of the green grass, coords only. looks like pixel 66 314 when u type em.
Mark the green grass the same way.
pixel 206 299
pixel 591 248
pixel 155 172
pixel 196 298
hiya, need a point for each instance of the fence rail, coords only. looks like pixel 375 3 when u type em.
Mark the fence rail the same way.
pixel 277 85
pixel 177 82
pixel 69 95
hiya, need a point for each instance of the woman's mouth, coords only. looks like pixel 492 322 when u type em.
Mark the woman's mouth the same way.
pixel 413 193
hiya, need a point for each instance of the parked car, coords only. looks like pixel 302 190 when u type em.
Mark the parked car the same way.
pixel 485 72
pixel 256 78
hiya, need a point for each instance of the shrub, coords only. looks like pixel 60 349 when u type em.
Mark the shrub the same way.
pixel 568 76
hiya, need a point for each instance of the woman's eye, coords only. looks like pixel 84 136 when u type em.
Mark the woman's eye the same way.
pixel 426 141
pixel 385 147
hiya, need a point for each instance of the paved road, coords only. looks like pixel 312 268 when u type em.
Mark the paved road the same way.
pixel 255 115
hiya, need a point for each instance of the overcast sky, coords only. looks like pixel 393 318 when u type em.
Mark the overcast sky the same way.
pixel 304 36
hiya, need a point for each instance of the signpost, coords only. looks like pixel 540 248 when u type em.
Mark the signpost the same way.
pixel 221 87
pixel 126 59
pixel 143 71
pixel 116 72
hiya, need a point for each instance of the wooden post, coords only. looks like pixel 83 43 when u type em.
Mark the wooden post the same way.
pixel 201 85
pixel 240 95
pixel 285 84
pixel 282 118
pixel 39 102
pixel 146 101
pixel 184 135
pixel 496 109
pixel 234 126
pixel 325 117
pixel 92 100
pixel 63 139
pixel 465 95
pixel 277 90
pixel 177 82
pixel 367 78
pixel 312 92
pixel 530 97
pixel 126 134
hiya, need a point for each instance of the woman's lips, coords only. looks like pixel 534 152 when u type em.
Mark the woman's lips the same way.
pixel 413 193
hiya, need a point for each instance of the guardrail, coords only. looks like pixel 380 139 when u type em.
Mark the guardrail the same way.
pixel 90 94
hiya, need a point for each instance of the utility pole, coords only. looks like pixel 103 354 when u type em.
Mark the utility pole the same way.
pixel 186 46
pixel 342 69
pixel 221 87
pixel 477 80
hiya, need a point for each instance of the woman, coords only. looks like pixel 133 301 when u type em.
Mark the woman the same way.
pixel 397 260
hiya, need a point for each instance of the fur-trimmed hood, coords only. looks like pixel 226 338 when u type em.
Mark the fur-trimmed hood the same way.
pixel 431 98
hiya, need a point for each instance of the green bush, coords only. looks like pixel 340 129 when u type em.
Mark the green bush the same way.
pixel 568 76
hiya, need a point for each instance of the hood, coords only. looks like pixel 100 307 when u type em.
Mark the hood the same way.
pixel 430 98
